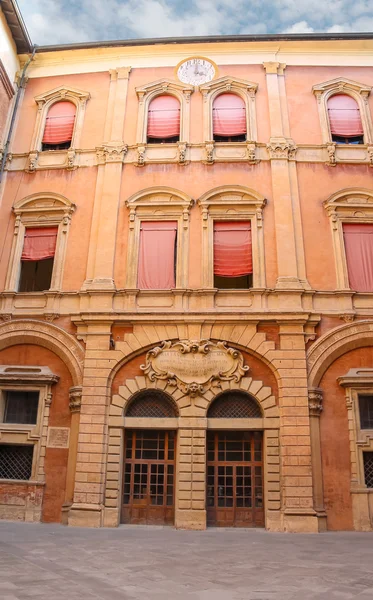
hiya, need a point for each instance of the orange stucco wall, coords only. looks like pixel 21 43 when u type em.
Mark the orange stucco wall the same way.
pixel 55 458
pixel 335 445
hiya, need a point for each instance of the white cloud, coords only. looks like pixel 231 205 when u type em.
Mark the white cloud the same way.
pixel 54 21
pixel 300 27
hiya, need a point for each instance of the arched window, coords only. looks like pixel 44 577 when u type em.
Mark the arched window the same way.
pixel 229 118
pixel 345 120
pixel 234 405
pixel 163 120
pixel 151 403
pixel 59 126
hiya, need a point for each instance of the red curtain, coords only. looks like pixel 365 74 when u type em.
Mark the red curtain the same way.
pixel 358 240
pixel 232 248
pixel 164 117
pixel 229 115
pixel 344 116
pixel 157 255
pixel 40 243
pixel 59 124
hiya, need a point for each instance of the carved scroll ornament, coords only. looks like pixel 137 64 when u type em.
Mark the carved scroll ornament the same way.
pixel 194 366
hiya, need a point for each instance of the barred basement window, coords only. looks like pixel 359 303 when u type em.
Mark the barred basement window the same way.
pixel 16 462
pixel 21 407
pixel 366 411
pixel 368 469
pixel 153 404
pixel 234 405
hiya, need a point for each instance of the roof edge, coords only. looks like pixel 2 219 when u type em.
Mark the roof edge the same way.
pixel 275 37
pixel 16 25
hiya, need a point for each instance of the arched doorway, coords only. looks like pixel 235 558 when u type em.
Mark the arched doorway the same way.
pixel 149 462
pixel 234 463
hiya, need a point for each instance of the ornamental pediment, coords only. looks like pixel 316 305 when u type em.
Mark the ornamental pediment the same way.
pixel 194 366
pixel 341 84
pixel 227 83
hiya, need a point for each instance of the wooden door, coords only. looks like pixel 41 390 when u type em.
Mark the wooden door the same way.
pixel 235 479
pixel 149 471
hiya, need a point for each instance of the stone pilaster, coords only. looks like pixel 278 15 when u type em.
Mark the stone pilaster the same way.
pixel 190 496
pixel 282 150
pixel 315 398
pixel 110 156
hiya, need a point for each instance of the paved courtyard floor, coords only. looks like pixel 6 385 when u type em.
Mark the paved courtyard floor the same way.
pixel 52 562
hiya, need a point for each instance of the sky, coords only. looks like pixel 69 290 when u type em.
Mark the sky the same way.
pixel 68 21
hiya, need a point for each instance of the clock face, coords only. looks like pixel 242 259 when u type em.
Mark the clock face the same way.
pixel 196 71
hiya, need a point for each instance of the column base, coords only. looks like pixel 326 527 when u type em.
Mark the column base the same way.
pixel 85 515
pixel 110 517
pixel 99 284
pixel 289 283
pixel 190 519
pixel 298 521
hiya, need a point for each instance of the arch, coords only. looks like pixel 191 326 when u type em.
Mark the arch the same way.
pixel 233 194
pixel 47 99
pixel 61 343
pixel 334 344
pixel 43 201
pixel 159 196
pixel 152 403
pixel 234 404
pixel 242 88
pixel 359 92
pixel 147 93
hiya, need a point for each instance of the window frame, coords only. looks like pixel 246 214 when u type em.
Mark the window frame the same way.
pixel 359 92
pixel 29 379
pixel 158 204
pixel 354 205
pixel 233 204
pixel 149 92
pixel 48 210
pixel 45 101
pixel 242 88
pixel 357 382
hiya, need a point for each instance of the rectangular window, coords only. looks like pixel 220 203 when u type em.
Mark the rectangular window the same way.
pixel 366 411
pixel 37 259
pixel 16 461
pixel 358 239
pixel 157 256
pixel 21 407
pixel 233 263
pixel 368 469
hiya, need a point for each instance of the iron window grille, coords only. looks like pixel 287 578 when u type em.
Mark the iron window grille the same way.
pixel 368 469
pixel 153 404
pixel 234 405
pixel 16 462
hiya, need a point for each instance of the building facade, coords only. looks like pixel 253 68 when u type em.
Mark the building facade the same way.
pixel 186 285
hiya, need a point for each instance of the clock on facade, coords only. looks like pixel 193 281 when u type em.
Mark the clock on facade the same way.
pixel 196 71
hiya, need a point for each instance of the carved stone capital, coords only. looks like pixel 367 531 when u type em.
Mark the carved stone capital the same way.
pixel 75 398
pixel 347 317
pixel 315 398
pixel 194 366
pixel 274 68
pixel 251 153
pixel 141 156
pixel 281 149
pixel 370 155
pixel 111 153
pixel 123 72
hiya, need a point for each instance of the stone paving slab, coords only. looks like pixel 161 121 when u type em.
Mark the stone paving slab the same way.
pixel 52 562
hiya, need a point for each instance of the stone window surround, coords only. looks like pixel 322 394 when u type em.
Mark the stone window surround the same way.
pixel 353 205
pixel 48 210
pixel 46 100
pixel 147 93
pixel 29 378
pixel 245 89
pixel 355 382
pixel 359 92
pixel 232 204
pixel 159 204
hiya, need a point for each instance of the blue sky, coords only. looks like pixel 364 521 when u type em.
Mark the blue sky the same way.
pixel 67 21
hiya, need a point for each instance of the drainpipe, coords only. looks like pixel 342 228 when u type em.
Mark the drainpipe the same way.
pixel 15 107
